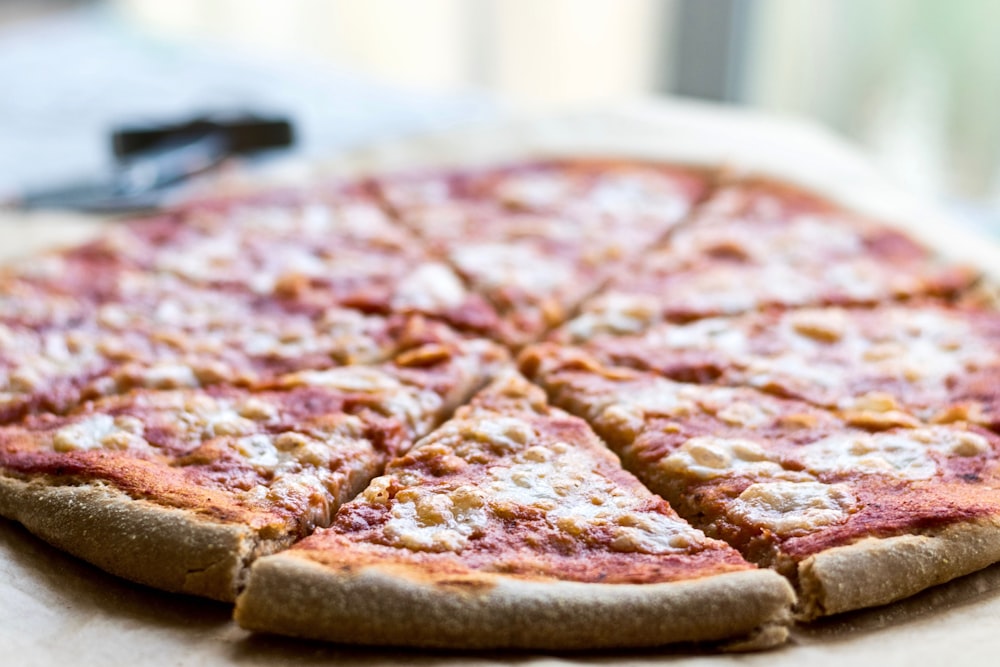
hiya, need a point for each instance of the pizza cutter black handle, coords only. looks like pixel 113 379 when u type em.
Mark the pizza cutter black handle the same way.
pixel 153 157
pixel 243 133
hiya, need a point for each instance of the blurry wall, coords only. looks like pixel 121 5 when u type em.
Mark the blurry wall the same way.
pixel 915 81
pixel 533 53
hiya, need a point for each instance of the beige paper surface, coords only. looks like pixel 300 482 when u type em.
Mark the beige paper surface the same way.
pixel 56 610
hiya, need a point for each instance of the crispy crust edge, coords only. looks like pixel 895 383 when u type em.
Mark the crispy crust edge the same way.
pixel 166 548
pixel 392 603
pixel 876 571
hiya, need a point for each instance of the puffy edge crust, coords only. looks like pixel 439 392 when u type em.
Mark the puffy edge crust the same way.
pixel 399 605
pixel 876 571
pixel 170 549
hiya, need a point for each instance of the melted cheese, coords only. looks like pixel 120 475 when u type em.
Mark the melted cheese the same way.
pixel 523 470
pixel 709 457
pixel 306 473
pixel 227 422
pixel 347 378
pixel 793 508
pixel 498 266
pixel 614 313
pixel 626 411
pixel 32 359
pixel 535 190
pixel 417 408
pixel 432 287
pixel 907 454
pixel 708 334
pixel 100 432
pixel 559 480
pixel 427 521
pixel 169 376
pixel 745 414
pixel 826 348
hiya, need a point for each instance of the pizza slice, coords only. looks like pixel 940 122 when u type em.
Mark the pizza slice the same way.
pixel 311 249
pixel 331 246
pixel 162 332
pixel 536 239
pixel 756 245
pixel 645 197
pixel 894 364
pixel 512 526
pixel 181 489
pixel 854 518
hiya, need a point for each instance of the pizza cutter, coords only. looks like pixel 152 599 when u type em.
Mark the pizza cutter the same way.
pixel 152 158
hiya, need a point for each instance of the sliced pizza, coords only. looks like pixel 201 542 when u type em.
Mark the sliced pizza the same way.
pixel 757 245
pixel 181 489
pixel 854 518
pixel 893 364
pixel 512 526
pixel 536 239
pixel 317 250
pixel 161 332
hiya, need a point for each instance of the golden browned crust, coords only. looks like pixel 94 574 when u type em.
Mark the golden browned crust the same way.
pixel 398 605
pixel 170 549
pixel 877 571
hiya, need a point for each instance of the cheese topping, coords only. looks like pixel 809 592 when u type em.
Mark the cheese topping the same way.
pixel 432 287
pixel 709 457
pixel 908 454
pixel 169 376
pixel 100 432
pixel 825 348
pixel 28 359
pixel 427 521
pixel 535 190
pixel 793 508
pixel 524 471
pixel 499 266
pixel 661 397
pixel 542 477
pixel 417 408
pixel 708 334
pixel 625 195
pixel 559 480
pixel 347 378
pixel 614 313
pixel 745 414
pixel 651 533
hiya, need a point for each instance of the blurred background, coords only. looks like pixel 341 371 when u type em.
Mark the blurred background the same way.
pixel 916 83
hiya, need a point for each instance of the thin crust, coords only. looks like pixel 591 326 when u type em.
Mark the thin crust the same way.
pixel 170 549
pixel 878 571
pixel 396 604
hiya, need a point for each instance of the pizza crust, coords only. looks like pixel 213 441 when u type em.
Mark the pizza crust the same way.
pixel 400 605
pixel 170 549
pixel 876 571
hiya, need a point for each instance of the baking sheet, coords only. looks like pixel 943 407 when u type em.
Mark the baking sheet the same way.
pixel 55 609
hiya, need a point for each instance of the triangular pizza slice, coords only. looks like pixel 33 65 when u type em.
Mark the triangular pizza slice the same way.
pixel 853 517
pixel 513 526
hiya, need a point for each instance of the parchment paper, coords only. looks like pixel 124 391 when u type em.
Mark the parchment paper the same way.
pixel 56 610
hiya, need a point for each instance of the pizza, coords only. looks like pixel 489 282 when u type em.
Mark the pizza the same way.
pixel 758 245
pixel 537 239
pixel 897 364
pixel 853 517
pixel 181 488
pixel 512 525
pixel 565 403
